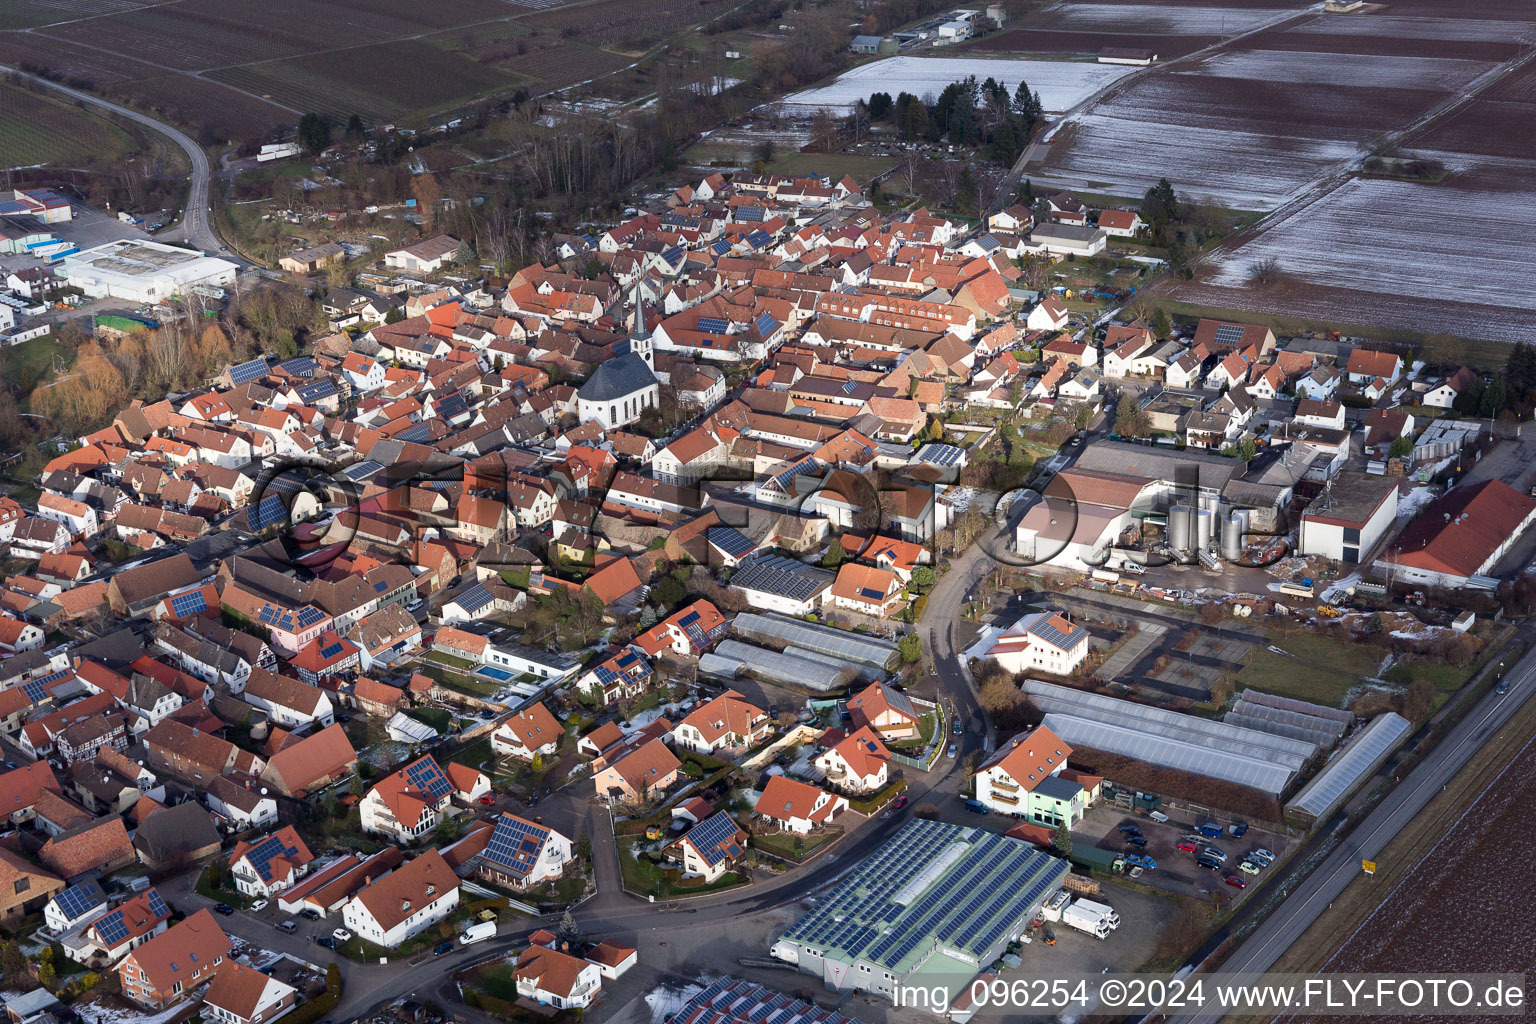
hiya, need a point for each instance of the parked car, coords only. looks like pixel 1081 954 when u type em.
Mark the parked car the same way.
pixel 977 807
pixel 310 914
pixel 1502 687
pixel 899 802
pixel 1236 882
pixel 1140 842
pixel 259 905
pixel 1209 863
pixel 1131 830
pixel 1248 867
pixel 959 728
pixel 223 909
pixel 326 941
pixel 488 799
pixel 1263 855
pixel 954 750
pixel 341 935
pixel 1239 830
pixel 1215 853
pixel 1209 829
pixel 441 948
pixel 289 927
pixel 1187 846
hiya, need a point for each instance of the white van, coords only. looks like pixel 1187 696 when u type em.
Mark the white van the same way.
pixel 477 933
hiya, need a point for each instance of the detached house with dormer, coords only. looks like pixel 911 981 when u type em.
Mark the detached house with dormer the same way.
pixel 409 803
pixel 729 723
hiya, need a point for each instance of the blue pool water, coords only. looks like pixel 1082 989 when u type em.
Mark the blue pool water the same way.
pixel 499 674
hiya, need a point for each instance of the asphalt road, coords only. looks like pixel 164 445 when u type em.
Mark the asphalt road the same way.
pixel 1296 914
pixel 196 227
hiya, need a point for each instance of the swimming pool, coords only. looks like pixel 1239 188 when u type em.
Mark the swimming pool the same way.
pixel 499 674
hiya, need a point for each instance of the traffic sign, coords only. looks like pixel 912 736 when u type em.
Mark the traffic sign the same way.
pixel 1369 866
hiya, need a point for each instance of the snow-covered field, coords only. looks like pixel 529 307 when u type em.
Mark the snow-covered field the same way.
pixel 1247 170
pixel 1471 30
pixel 1158 19
pixel 1394 240
pixel 1362 69
pixel 1061 84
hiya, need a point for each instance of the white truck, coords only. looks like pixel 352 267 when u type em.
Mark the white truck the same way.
pixel 1088 921
pixel 1104 910
pixel 477 933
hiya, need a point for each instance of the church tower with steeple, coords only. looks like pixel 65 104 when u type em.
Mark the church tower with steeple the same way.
pixel 640 342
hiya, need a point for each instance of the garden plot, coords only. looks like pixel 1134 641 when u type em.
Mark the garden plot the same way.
pixel 1061 84
pixel 1449 258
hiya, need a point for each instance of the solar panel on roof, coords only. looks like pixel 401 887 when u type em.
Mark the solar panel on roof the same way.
pixel 190 603
pixel 714 837
pixel 474 598
pixel 849 386
pixel 302 366
pixel 112 928
pixel 331 650
pixel 268 512
pixel 516 843
pixel 766 324
pixel 156 904
pixel 714 325
pixel 309 615
pixel 1229 335
pixel 246 372
pixel 427 777
pixel 733 542
pixel 79 900
pixel 871 593
pixel 35 690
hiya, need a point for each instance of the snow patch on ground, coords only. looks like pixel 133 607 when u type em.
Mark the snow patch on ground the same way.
pixel 1061 84
pixel 1361 69
pixel 1158 19
pixel 95 1013
pixel 664 1001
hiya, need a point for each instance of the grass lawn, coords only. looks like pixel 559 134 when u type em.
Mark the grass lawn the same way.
pixel 1322 671
pixel 646 878
pixel 782 844
pixel 440 658
pixel 31 361
pixel 835 165
pixel 36 128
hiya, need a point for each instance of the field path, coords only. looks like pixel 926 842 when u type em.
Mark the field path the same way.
pixel 196 226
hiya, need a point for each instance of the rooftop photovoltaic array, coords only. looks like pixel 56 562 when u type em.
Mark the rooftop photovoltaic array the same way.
pixel 1047 631
pixel 426 777
pixel 156 904
pixel 1229 335
pixel 732 1001
pixel 781 576
pixel 302 366
pixel 268 512
pixel 475 598
pixel 265 852
pixel 765 324
pixel 112 928
pixel 939 454
pixel 360 471
pixel 713 325
pixel 730 540
pixel 715 838
pixel 516 843
pixel 931 885
pixel 193 602
pixel 79 900
pixel 323 388
pixel 244 373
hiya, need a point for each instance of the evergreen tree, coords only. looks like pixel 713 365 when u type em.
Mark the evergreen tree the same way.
pixel 966 194
pixel 354 128
pixel 1128 418
pixel 1161 325
pixel 1160 205
pixel 1520 370
pixel 13 963
pixel 1005 146
pixel 1492 401
pixel 1061 840
pixel 314 133
pixel 879 106
pixel 569 933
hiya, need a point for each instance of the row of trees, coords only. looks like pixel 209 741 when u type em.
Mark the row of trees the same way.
pixel 967 113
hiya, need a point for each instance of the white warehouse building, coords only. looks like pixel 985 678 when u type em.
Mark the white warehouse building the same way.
pixel 1348 520
pixel 143 271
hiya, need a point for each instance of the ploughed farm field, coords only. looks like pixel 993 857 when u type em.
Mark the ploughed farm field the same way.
pixel 1452 257
pixel 1061 84
pixel 1478 872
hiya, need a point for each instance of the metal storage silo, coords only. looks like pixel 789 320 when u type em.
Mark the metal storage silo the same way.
pixel 1234 526
pixel 1205 528
pixel 1179 531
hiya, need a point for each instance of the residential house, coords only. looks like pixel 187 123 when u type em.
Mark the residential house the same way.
pixel 24 889
pixel 175 963
pixel 312 763
pixel 1027 777
pixel 1366 366
pixel 241 803
pixel 408 803
pixel 549 977
pixel 531 732
pixel 857 763
pixel 867 589
pixel 639 775
pixel 521 853
pixel 266 866
pixel 710 848
pixel 888 711
pixel 621 677
pixel 1041 642
pixel 796 806
pixel 101 845
pixel 403 903
pixel 290 704
pixel 244 995
pixel 727 724
pixel 113 934
pixel 172 837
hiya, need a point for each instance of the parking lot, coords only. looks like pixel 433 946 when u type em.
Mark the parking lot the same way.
pixel 1176 869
